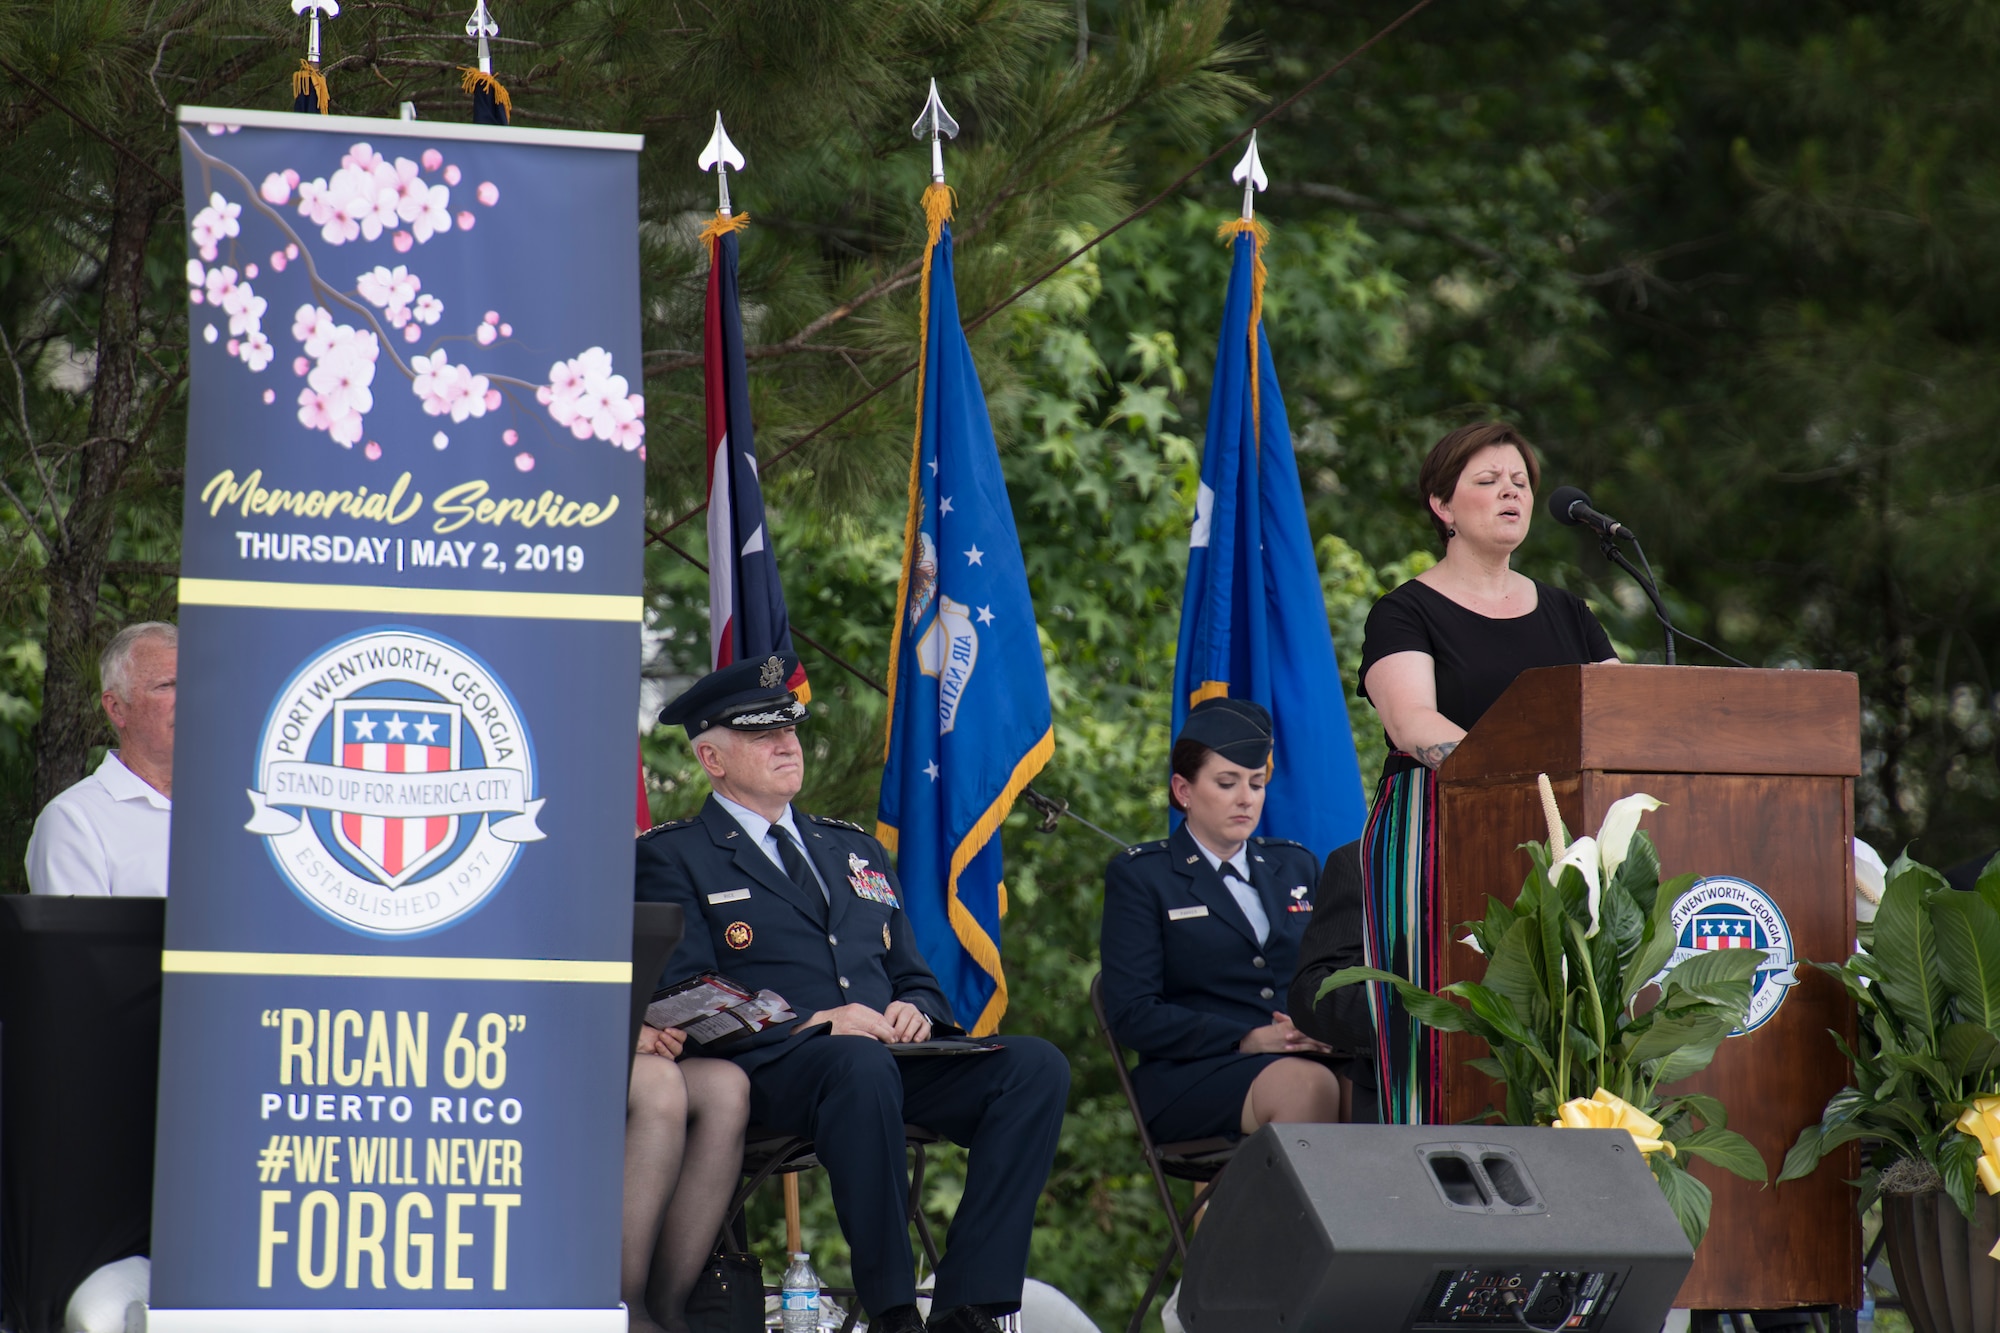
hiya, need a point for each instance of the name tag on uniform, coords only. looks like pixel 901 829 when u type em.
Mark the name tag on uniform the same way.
pixel 733 896
pixel 1185 913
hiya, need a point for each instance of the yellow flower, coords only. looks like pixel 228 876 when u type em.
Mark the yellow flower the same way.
pixel 1982 1121
pixel 1602 1110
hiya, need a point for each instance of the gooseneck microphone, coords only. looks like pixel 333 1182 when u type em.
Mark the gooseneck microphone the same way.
pixel 1570 505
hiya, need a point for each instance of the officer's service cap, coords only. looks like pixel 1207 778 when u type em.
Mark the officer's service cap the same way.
pixel 743 696
pixel 1237 729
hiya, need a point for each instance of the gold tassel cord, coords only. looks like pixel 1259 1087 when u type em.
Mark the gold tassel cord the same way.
pixel 476 79
pixel 307 79
pixel 1259 234
pixel 721 225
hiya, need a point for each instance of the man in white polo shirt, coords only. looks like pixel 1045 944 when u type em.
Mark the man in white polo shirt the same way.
pixel 107 835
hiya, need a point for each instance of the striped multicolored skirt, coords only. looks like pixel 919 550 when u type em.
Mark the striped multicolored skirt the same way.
pixel 1399 869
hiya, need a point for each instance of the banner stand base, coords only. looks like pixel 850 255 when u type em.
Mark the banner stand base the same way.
pixel 613 1320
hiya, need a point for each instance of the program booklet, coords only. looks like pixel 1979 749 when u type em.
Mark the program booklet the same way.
pixel 715 1011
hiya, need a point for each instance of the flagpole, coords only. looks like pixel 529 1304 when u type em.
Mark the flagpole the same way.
pixel 309 91
pixel 490 103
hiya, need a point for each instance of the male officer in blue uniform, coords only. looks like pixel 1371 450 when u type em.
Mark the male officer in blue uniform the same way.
pixel 810 907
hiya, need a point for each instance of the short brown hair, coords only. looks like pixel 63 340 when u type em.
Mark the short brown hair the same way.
pixel 1439 475
pixel 1186 761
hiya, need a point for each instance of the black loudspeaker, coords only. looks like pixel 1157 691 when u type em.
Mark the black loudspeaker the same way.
pixel 1434 1229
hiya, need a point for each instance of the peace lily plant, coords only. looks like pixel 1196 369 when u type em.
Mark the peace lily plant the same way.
pixel 1587 1014
pixel 1925 1070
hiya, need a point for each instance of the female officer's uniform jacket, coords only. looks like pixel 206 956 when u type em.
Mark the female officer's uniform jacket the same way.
pixel 1184 975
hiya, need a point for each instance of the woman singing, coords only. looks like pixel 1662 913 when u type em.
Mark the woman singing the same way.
pixel 1438 651
pixel 1200 936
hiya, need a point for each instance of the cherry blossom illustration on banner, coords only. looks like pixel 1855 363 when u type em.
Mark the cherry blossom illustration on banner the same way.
pixel 344 334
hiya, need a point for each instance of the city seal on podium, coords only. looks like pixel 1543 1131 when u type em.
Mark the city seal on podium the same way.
pixel 394 782
pixel 1723 912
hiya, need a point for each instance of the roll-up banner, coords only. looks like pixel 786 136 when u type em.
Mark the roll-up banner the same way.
pixel 392 1071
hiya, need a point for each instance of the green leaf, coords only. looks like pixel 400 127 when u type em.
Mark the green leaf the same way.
pixel 1708 1108
pixel 1804 1156
pixel 1495 1008
pixel 1658 944
pixel 1906 955
pixel 1689 1198
pixel 1717 976
pixel 1727 1149
pixel 1968 950
pixel 1639 875
pixel 1969 1051
pixel 1510 972
pixel 1426 1008
pixel 1958 1158
pixel 1988 885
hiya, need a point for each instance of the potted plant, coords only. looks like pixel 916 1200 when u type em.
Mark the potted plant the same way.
pixel 1924 1071
pixel 1568 1009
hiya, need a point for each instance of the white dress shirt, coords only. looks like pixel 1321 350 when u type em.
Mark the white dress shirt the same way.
pixel 1236 878
pixel 760 831
pixel 106 836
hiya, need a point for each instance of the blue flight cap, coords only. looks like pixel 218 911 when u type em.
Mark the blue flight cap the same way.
pixel 743 696
pixel 1237 729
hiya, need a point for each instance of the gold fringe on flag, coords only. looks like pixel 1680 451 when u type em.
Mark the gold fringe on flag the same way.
pixel 1259 234
pixel 721 225
pixel 938 201
pixel 307 78
pixel 476 79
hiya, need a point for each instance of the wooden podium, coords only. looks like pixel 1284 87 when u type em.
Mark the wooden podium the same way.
pixel 1757 770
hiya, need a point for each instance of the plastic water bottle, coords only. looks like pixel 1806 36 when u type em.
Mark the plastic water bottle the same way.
pixel 798 1300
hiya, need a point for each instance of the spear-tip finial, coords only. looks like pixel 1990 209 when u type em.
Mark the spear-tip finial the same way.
pixel 330 8
pixel 722 155
pixel 935 121
pixel 1251 172
pixel 481 26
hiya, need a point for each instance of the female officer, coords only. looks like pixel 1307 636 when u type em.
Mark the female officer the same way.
pixel 1200 936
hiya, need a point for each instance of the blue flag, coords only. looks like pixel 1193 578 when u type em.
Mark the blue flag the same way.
pixel 969 722
pixel 1253 619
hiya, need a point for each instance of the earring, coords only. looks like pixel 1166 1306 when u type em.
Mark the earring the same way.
pixel 1449 533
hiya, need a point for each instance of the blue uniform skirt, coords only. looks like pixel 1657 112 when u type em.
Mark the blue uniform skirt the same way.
pixel 1213 1106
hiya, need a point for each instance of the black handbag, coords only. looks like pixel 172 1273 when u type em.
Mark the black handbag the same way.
pixel 729 1295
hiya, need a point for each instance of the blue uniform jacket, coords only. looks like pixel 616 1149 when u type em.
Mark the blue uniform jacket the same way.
pixel 748 921
pixel 1184 976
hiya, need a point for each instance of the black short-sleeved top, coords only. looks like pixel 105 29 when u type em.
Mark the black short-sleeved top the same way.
pixel 1477 657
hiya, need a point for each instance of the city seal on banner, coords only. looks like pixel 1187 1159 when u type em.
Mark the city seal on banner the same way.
pixel 1723 912
pixel 395 782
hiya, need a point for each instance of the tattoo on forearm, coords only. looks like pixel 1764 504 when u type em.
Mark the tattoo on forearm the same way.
pixel 1430 756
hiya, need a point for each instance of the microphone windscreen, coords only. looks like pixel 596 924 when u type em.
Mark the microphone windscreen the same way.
pixel 1560 501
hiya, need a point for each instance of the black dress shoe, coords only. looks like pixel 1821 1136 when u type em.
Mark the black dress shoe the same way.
pixel 898 1319
pixel 964 1319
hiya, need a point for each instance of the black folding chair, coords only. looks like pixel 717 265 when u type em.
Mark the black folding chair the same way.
pixel 1197 1160
pixel 770 1152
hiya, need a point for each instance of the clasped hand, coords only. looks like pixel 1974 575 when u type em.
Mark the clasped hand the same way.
pixel 1279 1037
pixel 901 1021
pixel 669 1042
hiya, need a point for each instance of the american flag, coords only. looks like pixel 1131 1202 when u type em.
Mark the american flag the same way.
pixel 1724 930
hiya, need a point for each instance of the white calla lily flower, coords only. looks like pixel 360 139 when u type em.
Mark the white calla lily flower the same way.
pixel 1583 855
pixel 1621 821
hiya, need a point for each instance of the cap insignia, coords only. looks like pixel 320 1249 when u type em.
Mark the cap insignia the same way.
pixel 773 674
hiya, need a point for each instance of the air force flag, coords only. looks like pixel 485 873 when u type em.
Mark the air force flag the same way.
pixel 1253 620
pixel 969 722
